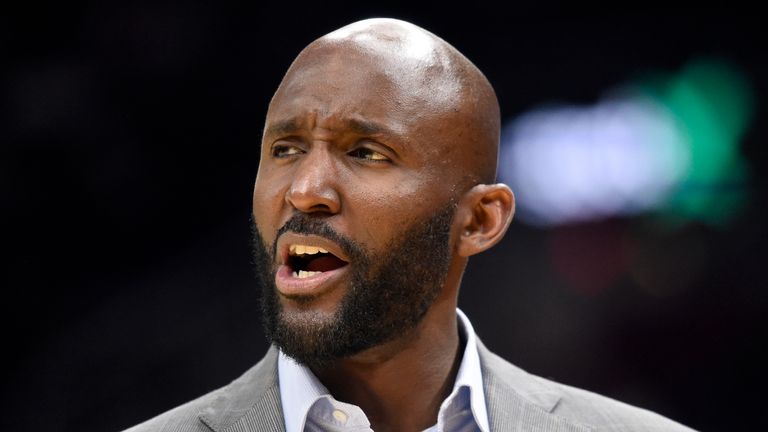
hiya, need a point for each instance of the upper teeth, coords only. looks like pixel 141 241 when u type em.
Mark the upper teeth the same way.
pixel 305 250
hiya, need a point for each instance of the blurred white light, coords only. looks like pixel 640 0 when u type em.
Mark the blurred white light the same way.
pixel 624 155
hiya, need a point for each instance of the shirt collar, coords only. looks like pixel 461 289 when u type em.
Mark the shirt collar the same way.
pixel 470 373
pixel 300 388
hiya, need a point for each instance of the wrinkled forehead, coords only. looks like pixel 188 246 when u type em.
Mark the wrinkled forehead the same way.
pixel 351 69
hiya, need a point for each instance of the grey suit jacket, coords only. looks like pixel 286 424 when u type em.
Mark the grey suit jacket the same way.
pixel 516 400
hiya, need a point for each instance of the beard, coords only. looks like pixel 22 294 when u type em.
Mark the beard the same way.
pixel 382 302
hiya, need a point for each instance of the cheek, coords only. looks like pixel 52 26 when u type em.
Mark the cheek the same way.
pixel 395 188
pixel 261 195
pixel 267 204
pixel 384 210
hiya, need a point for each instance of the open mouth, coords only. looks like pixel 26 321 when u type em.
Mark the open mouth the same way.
pixel 305 260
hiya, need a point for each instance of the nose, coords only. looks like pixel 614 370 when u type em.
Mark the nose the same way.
pixel 314 187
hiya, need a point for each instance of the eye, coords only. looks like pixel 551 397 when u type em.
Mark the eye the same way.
pixel 282 150
pixel 368 154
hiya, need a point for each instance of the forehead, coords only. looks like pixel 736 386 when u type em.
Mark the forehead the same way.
pixel 354 86
pixel 334 91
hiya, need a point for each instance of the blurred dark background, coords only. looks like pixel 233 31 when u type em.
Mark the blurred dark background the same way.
pixel 129 144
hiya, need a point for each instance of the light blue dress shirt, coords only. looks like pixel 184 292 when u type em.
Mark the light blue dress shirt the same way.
pixel 309 407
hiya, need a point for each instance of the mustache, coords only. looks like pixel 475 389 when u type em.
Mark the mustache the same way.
pixel 302 223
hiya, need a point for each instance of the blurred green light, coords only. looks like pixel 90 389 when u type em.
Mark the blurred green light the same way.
pixel 713 101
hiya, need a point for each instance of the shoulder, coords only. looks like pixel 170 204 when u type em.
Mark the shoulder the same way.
pixel 577 406
pixel 254 393
pixel 609 414
pixel 182 418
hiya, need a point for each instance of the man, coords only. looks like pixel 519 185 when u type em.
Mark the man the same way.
pixel 375 186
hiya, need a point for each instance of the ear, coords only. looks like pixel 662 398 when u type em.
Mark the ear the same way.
pixel 483 216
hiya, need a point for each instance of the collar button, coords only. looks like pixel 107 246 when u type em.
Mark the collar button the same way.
pixel 340 416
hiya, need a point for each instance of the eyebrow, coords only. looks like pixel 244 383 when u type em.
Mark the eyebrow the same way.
pixel 361 127
pixel 283 127
pixel 364 127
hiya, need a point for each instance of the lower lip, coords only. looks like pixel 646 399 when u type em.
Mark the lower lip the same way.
pixel 290 285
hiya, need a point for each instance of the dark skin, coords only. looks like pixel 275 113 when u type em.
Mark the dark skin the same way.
pixel 374 127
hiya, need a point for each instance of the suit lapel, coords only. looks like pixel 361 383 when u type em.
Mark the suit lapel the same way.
pixel 518 401
pixel 251 403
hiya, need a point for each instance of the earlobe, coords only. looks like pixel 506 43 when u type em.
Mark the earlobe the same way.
pixel 483 218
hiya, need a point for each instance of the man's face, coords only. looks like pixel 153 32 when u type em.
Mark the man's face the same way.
pixel 352 208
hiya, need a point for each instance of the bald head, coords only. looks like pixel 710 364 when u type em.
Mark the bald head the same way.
pixel 436 97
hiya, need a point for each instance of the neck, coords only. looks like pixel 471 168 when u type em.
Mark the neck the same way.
pixel 412 374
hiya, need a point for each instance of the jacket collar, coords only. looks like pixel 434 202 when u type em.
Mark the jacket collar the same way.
pixel 250 403
pixel 519 401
